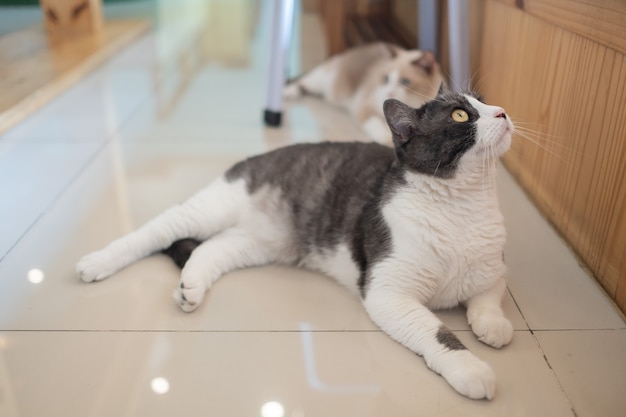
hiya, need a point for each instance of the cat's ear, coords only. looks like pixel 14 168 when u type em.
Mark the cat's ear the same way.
pixel 426 62
pixel 391 49
pixel 442 90
pixel 401 120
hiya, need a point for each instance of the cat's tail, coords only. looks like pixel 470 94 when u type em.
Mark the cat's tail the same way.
pixel 180 251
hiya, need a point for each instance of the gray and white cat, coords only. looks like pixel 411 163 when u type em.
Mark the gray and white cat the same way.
pixel 361 79
pixel 407 230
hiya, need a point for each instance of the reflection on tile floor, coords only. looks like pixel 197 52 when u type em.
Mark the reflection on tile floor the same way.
pixel 143 133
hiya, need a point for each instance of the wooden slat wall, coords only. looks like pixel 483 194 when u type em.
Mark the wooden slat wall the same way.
pixel 562 73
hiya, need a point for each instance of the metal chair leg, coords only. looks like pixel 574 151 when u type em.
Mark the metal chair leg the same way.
pixel 282 20
pixel 459 44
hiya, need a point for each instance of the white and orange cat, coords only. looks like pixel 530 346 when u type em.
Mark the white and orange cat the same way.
pixel 361 79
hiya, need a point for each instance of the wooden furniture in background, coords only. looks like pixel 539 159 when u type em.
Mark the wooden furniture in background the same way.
pixel 35 67
pixel 333 16
pixel 559 68
pixel 72 17
pixel 350 23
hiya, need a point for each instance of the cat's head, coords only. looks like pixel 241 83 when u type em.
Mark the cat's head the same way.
pixel 452 130
pixel 411 76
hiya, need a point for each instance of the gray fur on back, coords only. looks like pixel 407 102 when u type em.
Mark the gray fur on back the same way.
pixel 334 192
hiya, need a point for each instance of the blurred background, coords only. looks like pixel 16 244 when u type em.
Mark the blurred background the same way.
pixel 113 110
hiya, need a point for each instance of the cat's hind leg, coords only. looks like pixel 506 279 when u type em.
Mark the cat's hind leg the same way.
pixel 400 314
pixel 318 82
pixel 230 250
pixel 210 211
pixel 486 318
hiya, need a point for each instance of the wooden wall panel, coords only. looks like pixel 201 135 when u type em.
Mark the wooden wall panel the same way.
pixel 570 90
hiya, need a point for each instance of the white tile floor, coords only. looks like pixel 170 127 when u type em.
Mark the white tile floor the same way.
pixel 114 151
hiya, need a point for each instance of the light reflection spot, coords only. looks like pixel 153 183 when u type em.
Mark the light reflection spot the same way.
pixel 160 385
pixel 35 276
pixel 272 409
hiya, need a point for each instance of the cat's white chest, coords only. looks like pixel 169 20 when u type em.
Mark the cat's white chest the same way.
pixel 337 263
pixel 447 252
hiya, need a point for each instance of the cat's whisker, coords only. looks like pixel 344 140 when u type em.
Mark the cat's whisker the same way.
pixel 471 79
pixel 455 85
pixel 476 86
pixel 556 139
pixel 545 141
pixel 532 128
pixel 494 163
pixel 486 168
pixel 521 122
pixel 473 84
pixel 515 150
pixel 420 92
pixel 557 155
pixel 537 128
pixel 484 173
pixel 437 168
pixel 529 130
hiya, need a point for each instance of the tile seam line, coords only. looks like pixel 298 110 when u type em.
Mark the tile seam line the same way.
pixel 74 178
pixel 519 309
pixel 186 331
pixel 57 197
pixel 256 331
pixel 553 372
pixel 599 329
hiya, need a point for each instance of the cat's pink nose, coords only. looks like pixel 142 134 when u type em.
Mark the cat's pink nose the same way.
pixel 500 113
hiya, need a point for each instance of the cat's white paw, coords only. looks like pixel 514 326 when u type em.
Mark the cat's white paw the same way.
pixel 189 295
pixel 469 375
pixel 492 329
pixel 95 267
pixel 292 91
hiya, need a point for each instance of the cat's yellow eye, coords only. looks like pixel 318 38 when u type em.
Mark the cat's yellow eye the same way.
pixel 460 116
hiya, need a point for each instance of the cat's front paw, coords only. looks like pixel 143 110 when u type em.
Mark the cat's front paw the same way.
pixel 469 375
pixel 189 295
pixel 95 267
pixel 292 91
pixel 492 329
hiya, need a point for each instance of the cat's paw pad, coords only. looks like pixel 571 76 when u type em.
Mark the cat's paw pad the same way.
pixel 292 91
pixel 493 329
pixel 188 295
pixel 94 267
pixel 473 378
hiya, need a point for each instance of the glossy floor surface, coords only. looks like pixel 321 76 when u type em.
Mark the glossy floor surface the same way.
pixel 147 130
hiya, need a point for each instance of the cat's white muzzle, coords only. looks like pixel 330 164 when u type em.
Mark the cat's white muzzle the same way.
pixel 494 136
pixel 502 135
pixel 494 128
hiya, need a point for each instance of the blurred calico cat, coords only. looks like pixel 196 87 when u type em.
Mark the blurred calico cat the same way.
pixel 361 79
